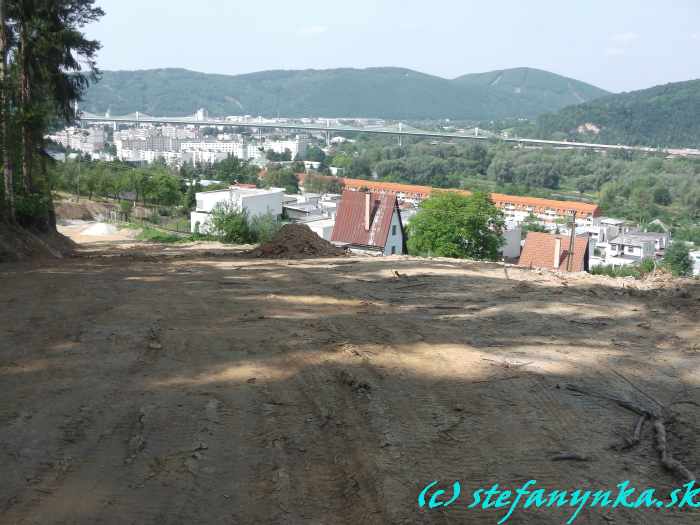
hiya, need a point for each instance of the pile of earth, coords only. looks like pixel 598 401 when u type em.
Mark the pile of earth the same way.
pixel 295 241
pixel 17 244
pixel 100 229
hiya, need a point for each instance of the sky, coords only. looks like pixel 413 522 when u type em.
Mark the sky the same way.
pixel 619 45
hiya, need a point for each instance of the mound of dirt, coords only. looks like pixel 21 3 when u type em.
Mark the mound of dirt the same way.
pixel 295 241
pixel 100 229
pixel 18 244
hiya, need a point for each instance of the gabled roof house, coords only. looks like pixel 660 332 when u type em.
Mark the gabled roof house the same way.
pixel 369 222
pixel 544 250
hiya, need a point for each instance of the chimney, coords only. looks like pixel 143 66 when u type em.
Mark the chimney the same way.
pixel 557 252
pixel 367 210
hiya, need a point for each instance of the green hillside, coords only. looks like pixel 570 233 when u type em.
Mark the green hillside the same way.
pixel 392 93
pixel 667 115
pixel 533 88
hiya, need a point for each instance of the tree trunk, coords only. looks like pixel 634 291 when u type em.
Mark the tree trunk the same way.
pixel 4 114
pixel 25 102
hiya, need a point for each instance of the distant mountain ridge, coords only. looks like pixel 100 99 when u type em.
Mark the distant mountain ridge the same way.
pixel 386 92
pixel 666 115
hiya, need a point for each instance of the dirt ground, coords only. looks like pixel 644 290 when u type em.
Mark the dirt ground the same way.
pixel 192 384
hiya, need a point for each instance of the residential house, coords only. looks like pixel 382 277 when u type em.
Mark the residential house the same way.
pixel 552 252
pixel 630 248
pixel 634 247
pixel 370 223
pixel 695 257
pixel 254 201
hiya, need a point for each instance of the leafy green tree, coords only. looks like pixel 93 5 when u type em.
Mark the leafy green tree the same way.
pixel 278 157
pixel 232 170
pixel 453 225
pixel 677 259
pixel 231 225
pixel 662 196
pixel 189 200
pixel 282 178
pixel 531 224
pixel 315 154
pixel 264 227
pixel 165 189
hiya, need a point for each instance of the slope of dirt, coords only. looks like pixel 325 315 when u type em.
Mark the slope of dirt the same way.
pixel 295 241
pixel 17 244
pixel 230 389
pixel 85 210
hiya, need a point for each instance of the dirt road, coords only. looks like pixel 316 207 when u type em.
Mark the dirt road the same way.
pixel 154 385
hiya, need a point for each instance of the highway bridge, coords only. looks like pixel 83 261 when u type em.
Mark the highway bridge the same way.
pixel 399 130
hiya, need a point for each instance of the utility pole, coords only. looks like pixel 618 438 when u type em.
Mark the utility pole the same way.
pixel 572 242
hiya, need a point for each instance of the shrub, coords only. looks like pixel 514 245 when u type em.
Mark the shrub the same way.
pixel 125 207
pixel 231 225
pixel 264 227
pixel 677 259
pixel 637 271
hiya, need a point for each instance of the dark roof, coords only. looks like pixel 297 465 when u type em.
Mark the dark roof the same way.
pixel 350 219
pixel 637 238
pixel 538 252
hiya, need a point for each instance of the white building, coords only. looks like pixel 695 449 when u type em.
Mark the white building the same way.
pixel 512 243
pixel 297 146
pixel 323 227
pixel 209 152
pixel 695 257
pixel 90 140
pixel 254 201
pixel 630 248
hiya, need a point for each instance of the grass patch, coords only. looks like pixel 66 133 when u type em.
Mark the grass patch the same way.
pixel 155 235
pixel 638 271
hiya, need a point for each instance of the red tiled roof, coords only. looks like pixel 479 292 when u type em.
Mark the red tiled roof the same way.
pixel 561 207
pixel 350 219
pixel 499 199
pixel 539 252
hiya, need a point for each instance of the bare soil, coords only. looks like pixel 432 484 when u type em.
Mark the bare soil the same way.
pixel 296 241
pixel 194 384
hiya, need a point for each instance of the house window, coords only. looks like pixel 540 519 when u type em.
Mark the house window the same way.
pixel 393 248
pixel 393 229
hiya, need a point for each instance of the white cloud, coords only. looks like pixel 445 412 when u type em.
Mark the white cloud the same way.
pixel 695 36
pixel 313 30
pixel 625 37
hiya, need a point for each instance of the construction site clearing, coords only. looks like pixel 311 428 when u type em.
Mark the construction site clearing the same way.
pixel 201 383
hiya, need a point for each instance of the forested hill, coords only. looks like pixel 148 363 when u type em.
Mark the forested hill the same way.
pixel 392 93
pixel 535 88
pixel 667 115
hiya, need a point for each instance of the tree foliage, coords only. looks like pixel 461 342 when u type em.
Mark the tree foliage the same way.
pixel 282 178
pixel 677 259
pixel 449 224
pixel 666 116
pixel 47 64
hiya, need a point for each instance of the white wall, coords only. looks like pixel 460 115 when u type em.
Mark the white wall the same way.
pixel 263 204
pixel 323 229
pixel 254 202
pixel 511 246
pixel 394 241
pixel 695 256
